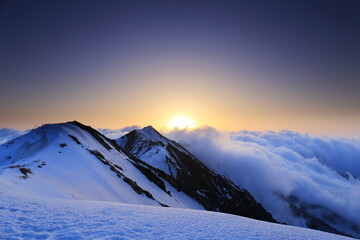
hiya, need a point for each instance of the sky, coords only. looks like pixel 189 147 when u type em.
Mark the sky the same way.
pixel 255 65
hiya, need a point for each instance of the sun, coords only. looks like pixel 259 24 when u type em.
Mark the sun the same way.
pixel 181 122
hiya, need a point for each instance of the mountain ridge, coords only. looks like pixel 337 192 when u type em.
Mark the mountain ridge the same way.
pixel 74 161
pixel 181 169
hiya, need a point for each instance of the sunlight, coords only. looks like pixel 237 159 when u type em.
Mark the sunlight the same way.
pixel 181 122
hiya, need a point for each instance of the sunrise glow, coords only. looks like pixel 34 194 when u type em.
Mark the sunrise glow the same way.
pixel 181 122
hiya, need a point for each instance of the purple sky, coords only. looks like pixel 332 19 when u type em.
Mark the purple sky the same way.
pixel 229 64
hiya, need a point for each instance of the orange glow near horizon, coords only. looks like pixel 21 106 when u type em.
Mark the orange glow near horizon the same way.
pixel 181 122
pixel 142 98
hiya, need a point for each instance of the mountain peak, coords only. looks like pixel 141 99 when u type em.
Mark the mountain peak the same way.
pixel 150 130
pixel 152 134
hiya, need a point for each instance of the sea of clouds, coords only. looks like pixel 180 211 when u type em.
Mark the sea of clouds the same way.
pixel 318 170
pixel 7 134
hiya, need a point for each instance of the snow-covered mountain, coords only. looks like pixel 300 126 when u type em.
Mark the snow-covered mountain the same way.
pixel 172 163
pixel 151 147
pixel 73 161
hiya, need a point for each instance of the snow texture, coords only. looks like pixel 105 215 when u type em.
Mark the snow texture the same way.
pixel 24 217
pixel 150 146
pixel 62 166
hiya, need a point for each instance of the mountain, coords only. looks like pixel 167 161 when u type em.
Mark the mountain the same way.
pixel 316 216
pixel 74 161
pixel 180 166
pixel 165 160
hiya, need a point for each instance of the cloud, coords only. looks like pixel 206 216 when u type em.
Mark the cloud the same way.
pixel 318 170
pixel 7 134
pixel 117 133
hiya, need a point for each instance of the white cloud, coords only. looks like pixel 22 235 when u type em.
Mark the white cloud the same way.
pixel 117 133
pixel 318 170
pixel 7 134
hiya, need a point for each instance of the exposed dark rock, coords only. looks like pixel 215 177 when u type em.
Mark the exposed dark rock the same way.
pixel 98 136
pixel 115 168
pixel 75 139
pixel 152 176
pixel 42 164
pixel 213 191
pixel 25 172
pixel 315 221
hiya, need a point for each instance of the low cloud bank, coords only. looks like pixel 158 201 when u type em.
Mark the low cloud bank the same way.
pixel 7 134
pixel 117 133
pixel 318 170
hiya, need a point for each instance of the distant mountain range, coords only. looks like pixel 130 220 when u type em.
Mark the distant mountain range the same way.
pixel 74 161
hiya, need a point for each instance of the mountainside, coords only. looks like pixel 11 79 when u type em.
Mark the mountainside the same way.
pixel 173 163
pixel 73 161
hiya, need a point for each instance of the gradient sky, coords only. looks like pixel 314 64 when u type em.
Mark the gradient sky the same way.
pixel 233 65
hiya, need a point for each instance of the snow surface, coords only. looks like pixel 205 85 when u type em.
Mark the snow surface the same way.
pixel 72 172
pixel 24 217
pixel 153 135
pixel 150 146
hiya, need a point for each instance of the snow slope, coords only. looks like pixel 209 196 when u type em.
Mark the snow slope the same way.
pixel 24 217
pixel 179 167
pixel 74 161
pixel 71 161
pixel 148 145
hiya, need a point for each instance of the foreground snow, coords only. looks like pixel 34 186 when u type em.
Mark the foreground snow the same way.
pixel 24 217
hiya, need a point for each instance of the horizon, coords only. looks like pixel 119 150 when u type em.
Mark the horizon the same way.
pixel 166 130
pixel 232 65
pixel 254 109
